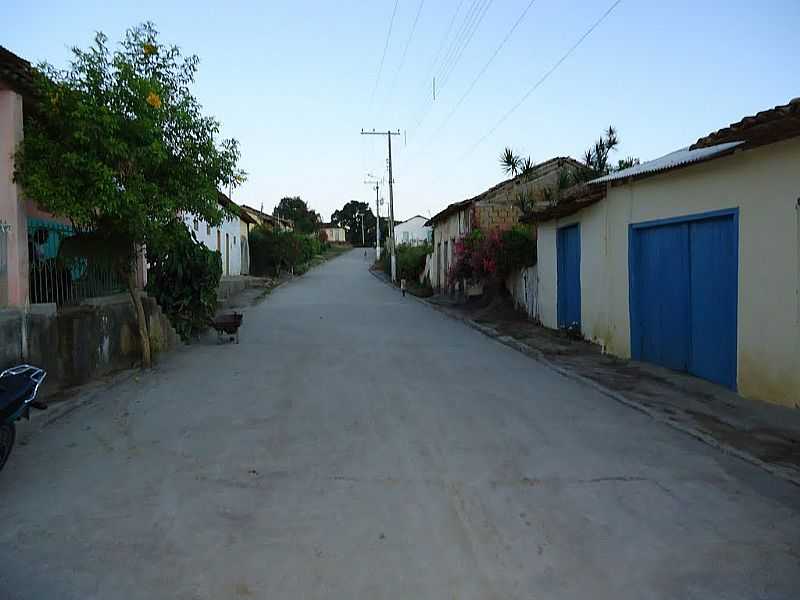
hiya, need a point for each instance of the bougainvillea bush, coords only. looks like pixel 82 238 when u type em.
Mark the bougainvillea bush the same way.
pixel 490 257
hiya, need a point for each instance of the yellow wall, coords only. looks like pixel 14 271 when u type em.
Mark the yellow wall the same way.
pixel 764 184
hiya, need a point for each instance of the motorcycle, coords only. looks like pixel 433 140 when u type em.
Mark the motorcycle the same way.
pixel 18 388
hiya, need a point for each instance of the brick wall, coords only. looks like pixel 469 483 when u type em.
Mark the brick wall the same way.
pixel 495 216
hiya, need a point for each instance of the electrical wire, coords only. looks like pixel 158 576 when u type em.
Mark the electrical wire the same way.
pixel 460 34
pixel 486 66
pixel 405 50
pixel 475 25
pixel 471 23
pixel 383 57
pixel 432 68
pixel 542 79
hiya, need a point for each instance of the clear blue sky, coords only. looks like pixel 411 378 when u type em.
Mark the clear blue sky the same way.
pixel 293 81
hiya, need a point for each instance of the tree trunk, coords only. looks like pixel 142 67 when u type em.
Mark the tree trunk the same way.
pixel 141 320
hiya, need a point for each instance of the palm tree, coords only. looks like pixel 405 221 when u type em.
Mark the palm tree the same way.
pixel 510 162
pixel 526 167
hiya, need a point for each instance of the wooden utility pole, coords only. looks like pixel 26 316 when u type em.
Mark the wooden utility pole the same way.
pixel 389 135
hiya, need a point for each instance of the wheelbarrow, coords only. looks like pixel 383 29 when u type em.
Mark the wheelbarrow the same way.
pixel 227 324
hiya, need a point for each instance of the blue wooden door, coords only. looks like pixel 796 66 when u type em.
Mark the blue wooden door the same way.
pixel 683 295
pixel 568 256
pixel 661 334
pixel 714 287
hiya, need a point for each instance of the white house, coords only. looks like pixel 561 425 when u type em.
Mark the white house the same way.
pixel 413 231
pixel 227 239
pixel 336 235
pixel 690 261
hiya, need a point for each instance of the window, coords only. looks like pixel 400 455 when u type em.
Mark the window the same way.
pixel 234 240
pixel 208 229
pixel 196 224
pixel 405 237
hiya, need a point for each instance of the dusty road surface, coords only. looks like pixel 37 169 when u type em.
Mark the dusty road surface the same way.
pixel 359 445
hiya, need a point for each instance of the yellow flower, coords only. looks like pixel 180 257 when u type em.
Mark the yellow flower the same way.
pixel 149 49
pixel 153 100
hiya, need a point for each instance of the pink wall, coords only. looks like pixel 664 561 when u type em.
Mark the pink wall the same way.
pixel 12 207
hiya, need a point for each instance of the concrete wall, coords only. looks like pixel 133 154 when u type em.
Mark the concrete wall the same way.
pixel 412 231
pixel 78 344
pixel 215 239
pixel 764 184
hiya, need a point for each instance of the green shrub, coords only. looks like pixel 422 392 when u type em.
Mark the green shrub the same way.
pixel 411 261
pixel 272 251
pixel 518 250
pixel 183 278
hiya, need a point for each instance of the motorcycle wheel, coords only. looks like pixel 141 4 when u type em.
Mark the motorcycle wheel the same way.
pixel 7 434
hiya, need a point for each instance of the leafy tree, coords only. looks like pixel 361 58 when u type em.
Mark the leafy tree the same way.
pixel 369 234
pixel 295 209
pixel 349 217
pixel 118 144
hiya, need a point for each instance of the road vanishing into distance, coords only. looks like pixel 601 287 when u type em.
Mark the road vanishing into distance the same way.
pixel 360 445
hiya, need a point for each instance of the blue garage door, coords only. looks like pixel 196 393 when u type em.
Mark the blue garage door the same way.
pixel 568 251
pixel 683 292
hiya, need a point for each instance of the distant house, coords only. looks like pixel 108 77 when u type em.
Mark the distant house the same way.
pixel 690 261
pixel 268 221
pixel 227 239
pixel 413 231
pixel 496 208
pixel 336 235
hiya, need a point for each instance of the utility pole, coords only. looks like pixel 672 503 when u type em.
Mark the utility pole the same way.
pixel 389 135
pixel 377 185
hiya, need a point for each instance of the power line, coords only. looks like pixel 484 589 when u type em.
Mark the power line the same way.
pixel 383 57
pixel 543 78
pixel 405 50
pixel 459 36
pixel 432 68
pixel 486 66
pixel 471 23
pixel 466 43
pixel 441 44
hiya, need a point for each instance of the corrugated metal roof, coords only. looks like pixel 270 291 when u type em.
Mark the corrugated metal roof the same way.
pixel 679 158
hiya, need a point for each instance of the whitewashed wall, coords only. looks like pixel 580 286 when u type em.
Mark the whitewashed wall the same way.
pixel 230 251
pixel 523 285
